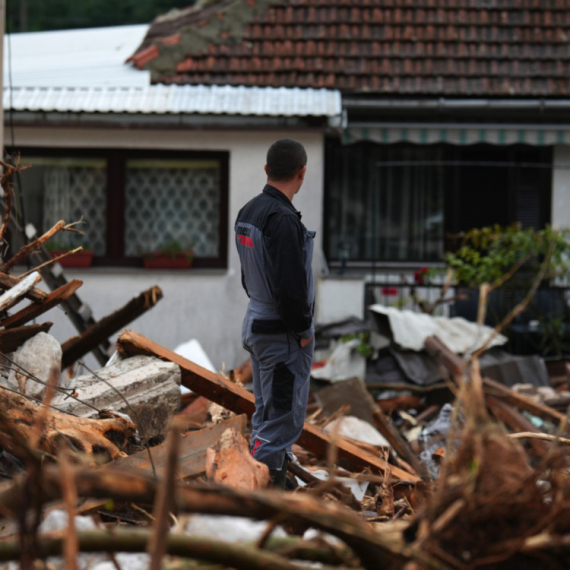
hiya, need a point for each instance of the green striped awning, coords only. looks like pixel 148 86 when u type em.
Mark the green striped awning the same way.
pixel 388 133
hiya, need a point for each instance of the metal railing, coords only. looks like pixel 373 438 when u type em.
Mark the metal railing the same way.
pixel 544 327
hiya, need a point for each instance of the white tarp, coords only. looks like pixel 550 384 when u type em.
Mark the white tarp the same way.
pixel 410 330
pixel 343 364
pixel 357 430
pixel 193 351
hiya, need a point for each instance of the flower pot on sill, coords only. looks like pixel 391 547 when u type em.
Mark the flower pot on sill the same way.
pixel 79 259
pixel 167 261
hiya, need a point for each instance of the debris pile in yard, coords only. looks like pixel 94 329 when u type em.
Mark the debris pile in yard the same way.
pixel 411 456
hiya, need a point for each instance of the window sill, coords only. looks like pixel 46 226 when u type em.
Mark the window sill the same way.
pixel 366 267
pixel 122 270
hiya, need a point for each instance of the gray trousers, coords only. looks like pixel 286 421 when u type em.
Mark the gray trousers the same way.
pixel 281 373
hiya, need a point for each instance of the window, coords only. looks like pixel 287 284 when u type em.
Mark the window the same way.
pixel 400 202
pixel 132 202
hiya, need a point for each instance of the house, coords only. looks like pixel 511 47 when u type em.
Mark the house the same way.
pixel 421 119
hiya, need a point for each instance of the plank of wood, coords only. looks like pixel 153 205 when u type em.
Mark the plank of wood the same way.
pixel 8 281
pixel 518 423
pixel 14 295
pixel 12 339
pixel 76 347
pixel 232 397
pixel 192 454
pixel 35 310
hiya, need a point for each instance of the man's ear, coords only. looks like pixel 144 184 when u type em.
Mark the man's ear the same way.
pixel 266 170
pixel 302 172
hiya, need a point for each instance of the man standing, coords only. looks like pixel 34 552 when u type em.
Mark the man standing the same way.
pixel 276 252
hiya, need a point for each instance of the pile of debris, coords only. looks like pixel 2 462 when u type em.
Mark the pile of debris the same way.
pixel 411 456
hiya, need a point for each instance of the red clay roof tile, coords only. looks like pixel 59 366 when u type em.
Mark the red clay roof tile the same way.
pixel 444 47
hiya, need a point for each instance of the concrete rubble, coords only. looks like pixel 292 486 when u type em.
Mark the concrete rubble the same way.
pixel 40 356
pixel 144 388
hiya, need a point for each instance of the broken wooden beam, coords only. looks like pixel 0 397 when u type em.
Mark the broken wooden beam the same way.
pixel 12 339
pixel 518 423
pixel 236 399
pixel 76 347
pixel 35 310
pixel 15 294
pixel 524 403
pixel 34 294
pixel 440 352
pixel 456 367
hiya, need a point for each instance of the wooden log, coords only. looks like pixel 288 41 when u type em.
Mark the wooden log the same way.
pixel 517 422
pixel 35 310
pixel 191 462
pixel 76 347
pixel 230 463
pixel 15 294
pixel 222 553
pixel 8 281
pixel 91 437
pixel 238 400
pixel 374 549
pixel 12 339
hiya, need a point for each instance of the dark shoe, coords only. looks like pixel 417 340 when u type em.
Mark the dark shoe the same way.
pixel 279 476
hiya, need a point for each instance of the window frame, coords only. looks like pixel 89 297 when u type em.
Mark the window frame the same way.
pixel 116 159
pixel 452 196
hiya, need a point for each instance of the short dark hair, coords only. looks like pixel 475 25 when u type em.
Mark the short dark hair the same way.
pixel 285 158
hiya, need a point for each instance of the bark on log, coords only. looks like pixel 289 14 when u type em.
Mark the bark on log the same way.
pixel 238 400
pixel 35 310
pixel 12 339
pixel 6 184
pixel 92 437
pixel 238 556
pixel 372 547
pixel 78 346
pixel 230 463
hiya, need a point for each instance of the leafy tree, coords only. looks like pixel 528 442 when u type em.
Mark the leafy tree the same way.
pixel 69 14
pixel 490 254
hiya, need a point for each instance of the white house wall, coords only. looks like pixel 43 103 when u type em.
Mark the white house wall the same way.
pixel 203 304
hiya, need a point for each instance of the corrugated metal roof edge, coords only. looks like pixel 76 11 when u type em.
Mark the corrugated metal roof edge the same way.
pixel 177 99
